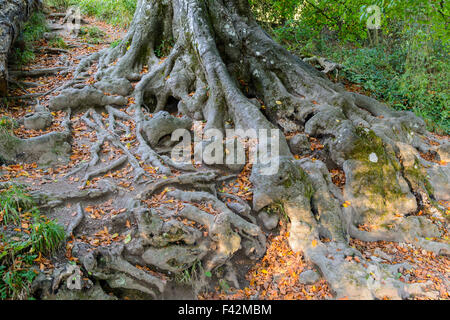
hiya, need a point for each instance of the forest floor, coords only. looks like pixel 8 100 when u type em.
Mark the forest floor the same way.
pixel 276 276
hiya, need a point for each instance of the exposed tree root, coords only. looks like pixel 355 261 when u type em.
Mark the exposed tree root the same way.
pixel 46 150
pixel 223 68
pixel 76 221
pixel 52 200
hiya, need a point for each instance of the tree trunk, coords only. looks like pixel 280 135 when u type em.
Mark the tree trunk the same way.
pixel 13 13
pixel 223 68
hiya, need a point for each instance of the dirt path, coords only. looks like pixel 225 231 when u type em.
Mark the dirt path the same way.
pixel 276 276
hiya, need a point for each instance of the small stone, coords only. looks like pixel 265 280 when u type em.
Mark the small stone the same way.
pixel 308 277
pixel 373 157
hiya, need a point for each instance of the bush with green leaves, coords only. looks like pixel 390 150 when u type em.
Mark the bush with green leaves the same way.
pixel 407 67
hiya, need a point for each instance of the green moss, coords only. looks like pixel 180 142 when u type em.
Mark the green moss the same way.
pixel 368 143
pixel 379 178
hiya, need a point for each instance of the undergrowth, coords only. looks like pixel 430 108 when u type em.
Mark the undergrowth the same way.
pixel 115 12
pixel 408 70
pixel 25 235
pixel 33 30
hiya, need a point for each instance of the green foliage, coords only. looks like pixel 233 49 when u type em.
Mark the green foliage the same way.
pixel 115 43
pixel 190 275
pixel 275 11
pixel 46 235
pixel 13 201
pixel 224 286
pixel 163 49
pixel 405 63
pixel 116 12
pixel 416 82
pixel 58 42
pixel 22 242
pixel 92 35
pixel 33 30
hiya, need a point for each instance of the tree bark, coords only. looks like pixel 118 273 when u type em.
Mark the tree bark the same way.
pixel 13 13
pixel 224 69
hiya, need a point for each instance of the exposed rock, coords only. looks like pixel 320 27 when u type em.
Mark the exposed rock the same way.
pixel 376 192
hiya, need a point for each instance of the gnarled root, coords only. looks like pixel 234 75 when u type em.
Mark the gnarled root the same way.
pixel 224 69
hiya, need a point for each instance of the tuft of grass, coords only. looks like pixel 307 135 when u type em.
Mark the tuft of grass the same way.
pixel 58 42
pixel 13 202
pixel 278 209
pixel 92 35
pixel 164 48
pixel 23 241
pixel 190 275
pixel 46 235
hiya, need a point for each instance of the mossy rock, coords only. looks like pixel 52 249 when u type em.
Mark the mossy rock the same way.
pixel 377 192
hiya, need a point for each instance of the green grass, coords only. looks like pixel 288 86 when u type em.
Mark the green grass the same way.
pixel 26 235
pixel 46 236
pixel 57 42
pixel 12 202
pixel 190 275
